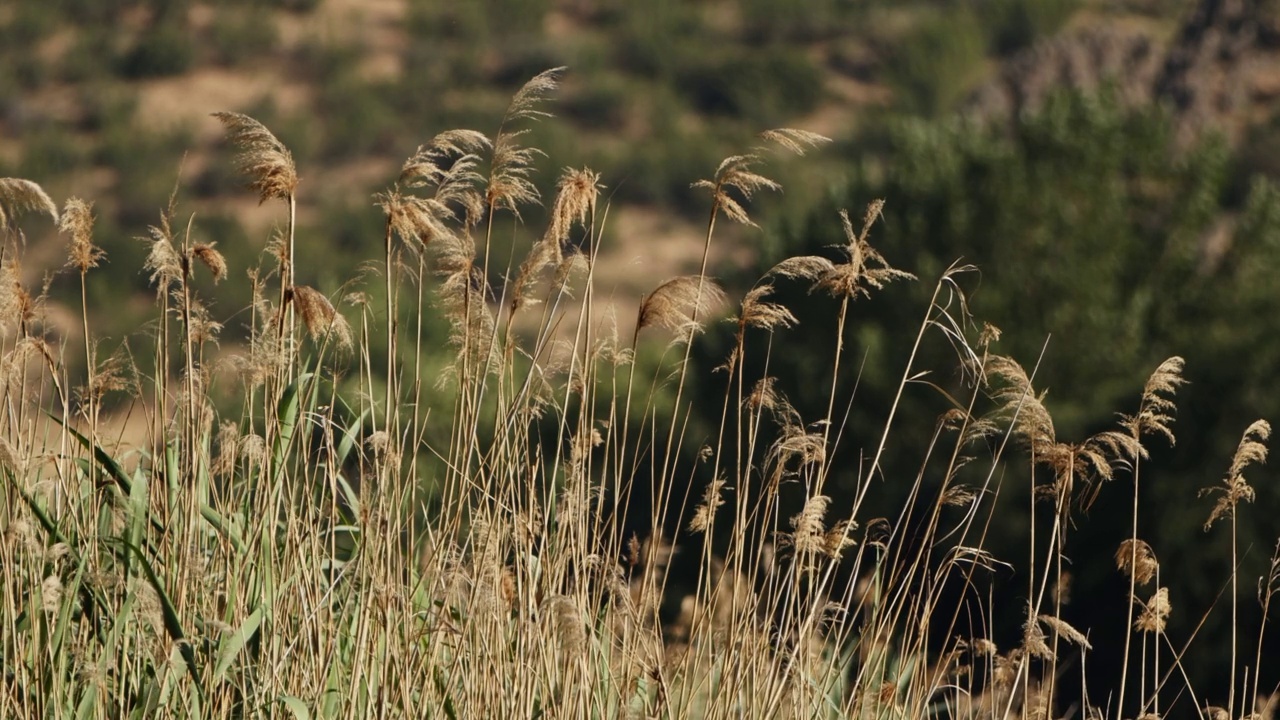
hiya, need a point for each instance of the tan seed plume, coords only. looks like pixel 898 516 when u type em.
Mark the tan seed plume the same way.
pixel 509 183
pixel 1134 557
pixel 1234 487
pixel 864 268
pixel 319 316
pixel 674 304
pixel 18 196
pixel 209 256
pixel 77 221
pixel 262 157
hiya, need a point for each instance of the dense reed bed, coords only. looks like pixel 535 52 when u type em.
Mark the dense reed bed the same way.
pixel 366 535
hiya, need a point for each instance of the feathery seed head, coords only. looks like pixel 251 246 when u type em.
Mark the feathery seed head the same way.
pixel 576 195
pixel 803 267
pixel 512 164
pixel 228 446
pixel 416 220
pixel 449 158
pixel 793 140
pixel 262 157
pixel 865 268
pixel 319 316
pixel 679 304
pixel 1018 403
pixel 735 173
pixel 810 537
pixel 77 221
pixel 51 594
pixel 15 301
pixel 712 498
pixel 1033 640
pixel 1155 411
pixel 209 256
pixel 524 104
pixel 756 312
pixel 1155 612
pixel 1136 559
pixel 838 539
pixel 1252 449
pixel 764 395
pixel 163 260
pixel 18 196
pixel 1066 631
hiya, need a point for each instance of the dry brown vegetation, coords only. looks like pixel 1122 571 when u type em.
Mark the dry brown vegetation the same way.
pixel 316 553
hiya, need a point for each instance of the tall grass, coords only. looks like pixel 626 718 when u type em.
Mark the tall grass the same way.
pixel 318 553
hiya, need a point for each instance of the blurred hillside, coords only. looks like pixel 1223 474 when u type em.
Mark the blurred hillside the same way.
pixel 110 101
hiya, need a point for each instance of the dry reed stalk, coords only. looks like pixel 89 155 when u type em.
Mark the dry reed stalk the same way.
pixel 1251 450
pixel 1154 417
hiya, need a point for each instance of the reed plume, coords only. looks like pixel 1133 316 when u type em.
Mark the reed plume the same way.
pixel 576 194
pixel 77 221
pixel 510 185
pixel 677 304
pixel 18 196
pixel 321 319
pixel 864 267
pixel 1252 449
pixel 262 157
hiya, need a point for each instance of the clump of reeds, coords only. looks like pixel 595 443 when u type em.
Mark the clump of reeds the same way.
pixel 361 539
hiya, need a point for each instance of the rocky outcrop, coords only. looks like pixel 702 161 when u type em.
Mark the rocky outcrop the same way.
pixel 1221 64
pixel 1082 60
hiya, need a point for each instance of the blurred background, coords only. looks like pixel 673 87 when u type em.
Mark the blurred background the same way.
pixel 1109 166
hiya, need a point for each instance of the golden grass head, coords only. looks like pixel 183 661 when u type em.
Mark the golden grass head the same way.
pixel 262 157
pixel 1155 612
pixel 512 164
pixel 1155 412
pixel 576 195
pixel 865 268
pixel 77 221
pixel 1252 449
pixel 524 104
pixel 163 261
pixel 228 448
pixel 575 203
pixel 712 498
pixel 794 140
pixel 1136 559
pixel 321 319
pixel 764 395
pixel 115 375
pixel 1017 401
pixel 680 304
pixel 9 459
pixel 15 301
pixel 450 156
pixel 416 220
pixel 759 313
pixel 809 528
pixel 1066 631
pixel 735 172
pixel 208 255
pixel 1033 640
pixel 18 196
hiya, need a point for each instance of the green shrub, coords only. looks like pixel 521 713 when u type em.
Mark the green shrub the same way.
pixel 163 50
pixel 762 85
pixel 241 36
pixel 935 64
